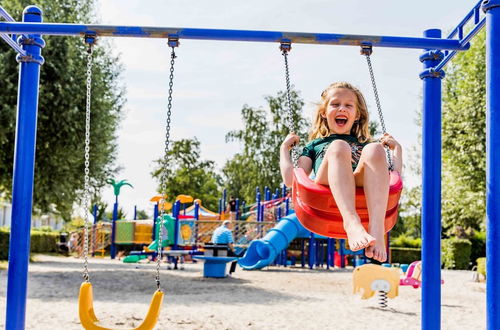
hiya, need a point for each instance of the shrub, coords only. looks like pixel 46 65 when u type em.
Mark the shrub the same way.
pixel 41 242
pixel 4 243
pixel 456 253
pixel 406 241
pixel 405 255
pixel 478 246
pixel 481 266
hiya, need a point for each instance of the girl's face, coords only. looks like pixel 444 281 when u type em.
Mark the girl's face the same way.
pixel 341 111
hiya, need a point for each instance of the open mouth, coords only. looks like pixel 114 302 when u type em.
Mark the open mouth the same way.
pixel 341 121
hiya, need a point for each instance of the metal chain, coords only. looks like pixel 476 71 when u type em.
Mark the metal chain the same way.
pixel 289 117
pixel 379 107
pixel 163 184
pixel 86 193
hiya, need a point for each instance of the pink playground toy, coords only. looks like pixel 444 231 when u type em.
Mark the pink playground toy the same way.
pixel 413 275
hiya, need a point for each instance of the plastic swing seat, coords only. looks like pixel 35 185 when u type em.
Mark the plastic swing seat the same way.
pixel 317 211
pixel 90 322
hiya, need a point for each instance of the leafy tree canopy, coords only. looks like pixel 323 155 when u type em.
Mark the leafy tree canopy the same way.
pixel 257 165
pixel 464 139
pixel 185 173
pixel 61 110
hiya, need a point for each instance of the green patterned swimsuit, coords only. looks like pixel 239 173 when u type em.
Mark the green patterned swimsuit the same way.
pixel 316 149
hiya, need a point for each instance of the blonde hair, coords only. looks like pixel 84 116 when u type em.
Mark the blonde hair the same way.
pixel 360 129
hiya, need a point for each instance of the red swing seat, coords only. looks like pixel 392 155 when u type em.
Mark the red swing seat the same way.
pixel 317 211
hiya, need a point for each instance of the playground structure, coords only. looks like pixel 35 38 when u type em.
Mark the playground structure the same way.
pixel 434 60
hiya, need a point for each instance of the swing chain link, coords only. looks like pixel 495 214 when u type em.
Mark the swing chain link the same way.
pixel 163 184
pixel 366 49
pixel 285 47
pixel 86 194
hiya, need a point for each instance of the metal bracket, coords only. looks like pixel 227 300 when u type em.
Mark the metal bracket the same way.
pixel 366 48
pixel 286 45
pixel 173 40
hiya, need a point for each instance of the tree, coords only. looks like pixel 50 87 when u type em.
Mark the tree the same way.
pixel 257 165
pixel 186 174
pixel 59 165
pixel 464 139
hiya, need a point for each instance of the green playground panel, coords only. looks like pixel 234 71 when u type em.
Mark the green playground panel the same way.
pixel 125 232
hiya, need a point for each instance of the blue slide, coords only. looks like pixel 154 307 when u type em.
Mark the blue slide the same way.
pixel 262 252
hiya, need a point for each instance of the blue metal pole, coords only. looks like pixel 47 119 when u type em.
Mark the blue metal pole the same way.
pixel 232 35
pixel 155 219
pixel 237 209
pixel 23 175
pixel 492 9
pixel 94 215
pixel 196 218
pixel 112 249
pixel 431 187
pixel 135 212
pixel 224 198
pixel 176 228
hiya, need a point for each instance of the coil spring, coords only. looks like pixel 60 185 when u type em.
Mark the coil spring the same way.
pixel 382 301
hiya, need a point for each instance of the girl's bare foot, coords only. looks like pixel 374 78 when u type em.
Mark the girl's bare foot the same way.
pixel 357 236
pixel 377 251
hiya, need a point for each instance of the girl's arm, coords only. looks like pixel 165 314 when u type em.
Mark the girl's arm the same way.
pixel 286 164
pixel 397 151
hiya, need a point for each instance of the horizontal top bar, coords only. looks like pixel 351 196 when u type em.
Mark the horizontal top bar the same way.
pixel 230 35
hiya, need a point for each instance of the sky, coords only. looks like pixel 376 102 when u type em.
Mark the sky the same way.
pixel 214 79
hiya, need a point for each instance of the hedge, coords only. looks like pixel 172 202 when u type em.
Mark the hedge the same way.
pixel 481 266
pixel 456 253
pixel 478 246
pixel 41 242
pixel 405 255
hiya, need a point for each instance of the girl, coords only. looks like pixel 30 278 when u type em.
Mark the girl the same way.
pixel 343 157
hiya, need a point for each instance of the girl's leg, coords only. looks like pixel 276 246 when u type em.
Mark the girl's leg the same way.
pixel 336 171
pixel 372 174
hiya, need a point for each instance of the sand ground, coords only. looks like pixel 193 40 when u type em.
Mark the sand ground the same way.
pixel 274 298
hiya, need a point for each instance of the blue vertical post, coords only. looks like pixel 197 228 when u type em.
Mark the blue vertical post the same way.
pixel 196 218
pixel 303 252
pixel 224 198
pixel 112 249
pixel 135 212
pixel 176 224
pixel 237 209
pixel 23 175
pixel 155 219
pixel 492 10
pixel 220 206
pixel 431 187
pixel 283 191
pixel 287 206
pixel 94 238
pixel 312 251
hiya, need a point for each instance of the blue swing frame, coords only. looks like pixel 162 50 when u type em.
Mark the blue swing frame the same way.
pixel 437 53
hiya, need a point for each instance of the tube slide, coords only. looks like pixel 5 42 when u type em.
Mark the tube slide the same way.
pixel 262 252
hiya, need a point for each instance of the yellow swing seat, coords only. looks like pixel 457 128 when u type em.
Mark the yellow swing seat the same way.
pixel 90 322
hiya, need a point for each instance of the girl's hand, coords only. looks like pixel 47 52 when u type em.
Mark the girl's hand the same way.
pixel 291 140
pixel 388 140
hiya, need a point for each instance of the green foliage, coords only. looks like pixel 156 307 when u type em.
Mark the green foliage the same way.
pixel 481 266
pixel 464 139
pixel 257 165
pixel 141 215
pixel 406 241
pixel 61 109
pixel 405 255
pixel 4 243
pixel 41 242
pixel 456 253
pixel 185 173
